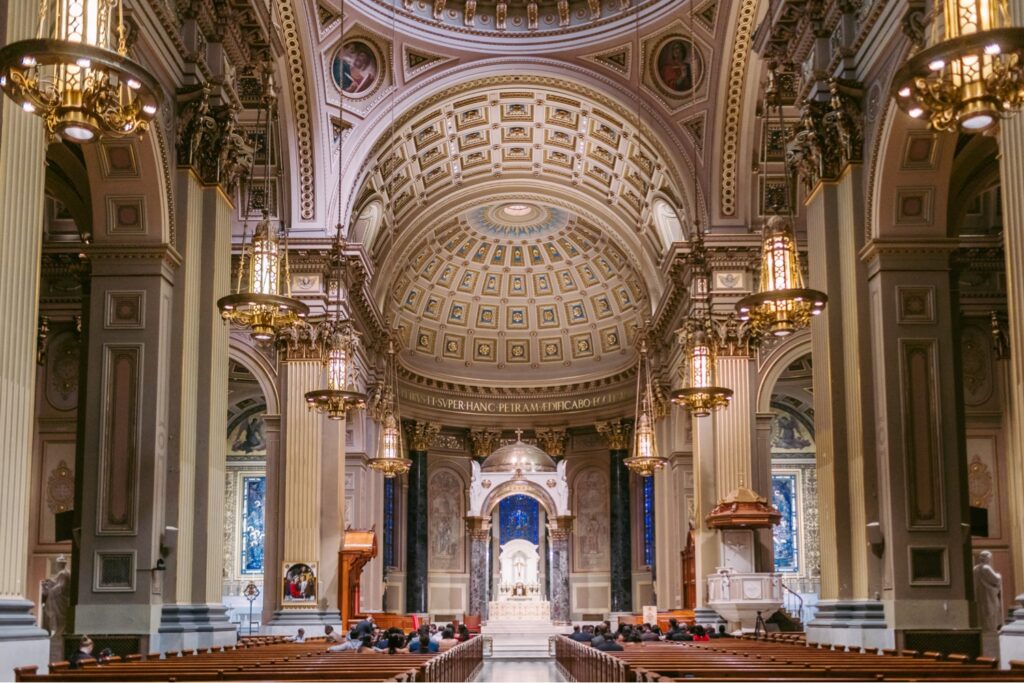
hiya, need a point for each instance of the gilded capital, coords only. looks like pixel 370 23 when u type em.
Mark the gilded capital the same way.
pixel 484 441
pixel 479 528
pixel 299 342
pixel 560 528
pixel 616 432
pixel 421 434
pixel 552 440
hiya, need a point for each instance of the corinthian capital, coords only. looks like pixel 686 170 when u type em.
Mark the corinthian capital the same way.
pixel 616 432
pixel 552 440
pixel 484 441
pixel 420 435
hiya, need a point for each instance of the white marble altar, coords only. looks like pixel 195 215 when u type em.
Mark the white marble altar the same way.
pixel 519 610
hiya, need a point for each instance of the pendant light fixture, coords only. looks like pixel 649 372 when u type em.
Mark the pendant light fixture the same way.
pixel 645 460
pixel 76 75
pixel 782 304
pixel 700 393
pixel 390 457
pixel 339 340
pixel 970 72
pixel 266 307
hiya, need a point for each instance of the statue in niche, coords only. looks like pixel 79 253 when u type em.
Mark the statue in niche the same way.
pixel 988 593
pixel 57 599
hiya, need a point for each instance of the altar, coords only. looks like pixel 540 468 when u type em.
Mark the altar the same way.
pixel 520 610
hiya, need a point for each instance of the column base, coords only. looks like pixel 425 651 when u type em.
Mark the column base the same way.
pixel 286 622
pixel 22 642
pixel 1011 640
pixel 851 624
pixel 193 627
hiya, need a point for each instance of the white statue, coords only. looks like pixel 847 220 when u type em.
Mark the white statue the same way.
pixel 57 598
pixel 988 593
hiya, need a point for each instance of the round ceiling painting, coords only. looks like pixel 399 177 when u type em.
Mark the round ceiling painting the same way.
pixel 517 220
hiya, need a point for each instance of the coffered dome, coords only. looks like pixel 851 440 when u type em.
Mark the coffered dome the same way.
pixel 518 285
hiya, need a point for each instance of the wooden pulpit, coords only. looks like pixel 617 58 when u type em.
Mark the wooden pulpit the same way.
pixel 357 548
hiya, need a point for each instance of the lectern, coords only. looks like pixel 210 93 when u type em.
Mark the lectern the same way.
pixel 357 548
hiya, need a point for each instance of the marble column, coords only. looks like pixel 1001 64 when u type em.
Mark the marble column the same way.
pixel 618 433
pixel 479 529
pixel 559 530
pixel 416 569
pixel 273 519
pixel 705 497
pixel 22 168
pixel 1011 168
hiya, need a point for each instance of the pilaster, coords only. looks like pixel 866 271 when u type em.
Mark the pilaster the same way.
pixel 559 530
pixel 417 505
pixel 22 168
pixel 617 432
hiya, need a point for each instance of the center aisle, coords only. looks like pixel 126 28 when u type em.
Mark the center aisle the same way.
pixel 518 670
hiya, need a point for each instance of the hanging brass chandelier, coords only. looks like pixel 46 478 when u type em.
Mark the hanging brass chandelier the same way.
pixel 645 460
pixel 782 305
pixel 338 342
pixel 970 72
pixel 390 457
pixel 76 75
pixel 266 307
pixel 700 394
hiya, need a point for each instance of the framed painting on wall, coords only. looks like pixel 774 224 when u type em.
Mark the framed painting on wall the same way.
pixel 299 585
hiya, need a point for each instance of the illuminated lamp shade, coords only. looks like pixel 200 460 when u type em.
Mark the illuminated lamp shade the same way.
pixel 782 305
pixel 338 355
pixel 970 72
pixel 700 394
pixel 390 457
pixel 645 460
pixel 76 76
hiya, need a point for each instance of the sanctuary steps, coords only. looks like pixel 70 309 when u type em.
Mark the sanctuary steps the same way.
pixel 521 639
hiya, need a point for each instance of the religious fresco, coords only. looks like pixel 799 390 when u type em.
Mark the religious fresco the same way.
pixel 679 66
pixel 355 68
pixel 254 494
pixel 445 534
pixel 519 517
pixel 790 433
pixel 247 433
pixel 786 534
pixel 592 534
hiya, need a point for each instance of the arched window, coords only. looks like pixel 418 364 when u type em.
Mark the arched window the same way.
pixel 670 230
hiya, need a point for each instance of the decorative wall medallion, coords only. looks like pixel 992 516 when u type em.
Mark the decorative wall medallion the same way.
pixel 915 305
pixel 125 310
pixel 729 280
pixel 551 483
pixel 678 66
pixel 914 205
pixel 126 216
pixel 60 488
pixel 62 366
pixel 299 585
pixel 976 364
pixel 357 68
pixel 118 160
pixel 979 483
pixel 486 483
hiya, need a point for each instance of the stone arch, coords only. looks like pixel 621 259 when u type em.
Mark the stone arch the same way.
pixel 261 368
pixel 776 362
pixel 668 223
pixel 512 488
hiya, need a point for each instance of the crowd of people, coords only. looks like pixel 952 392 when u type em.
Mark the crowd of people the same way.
pixel 366 638
pixel 603 638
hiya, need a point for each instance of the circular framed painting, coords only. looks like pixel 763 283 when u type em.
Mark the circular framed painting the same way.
pixel 678 67
pixel 356 68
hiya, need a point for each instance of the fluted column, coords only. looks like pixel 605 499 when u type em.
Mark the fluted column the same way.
pixel 734 425
pixel 416 519
pixel 617 433
pixel 705 497
pixel 479 565
pixel 1011 167
pixel 559 530
pixel 22 166
pixel 273 521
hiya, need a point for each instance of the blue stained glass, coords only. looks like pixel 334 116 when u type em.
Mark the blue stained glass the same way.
pixel 648 497
pixel 786 534
pixel 254 498
pixel 519 516
pixel 389 522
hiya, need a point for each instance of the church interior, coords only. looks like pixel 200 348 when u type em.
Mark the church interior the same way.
pixel 566 334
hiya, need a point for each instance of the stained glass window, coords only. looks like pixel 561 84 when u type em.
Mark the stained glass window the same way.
pixel 786 534
pixel 648 500
pixel 254 497
pixel 519 517
pixel 389 522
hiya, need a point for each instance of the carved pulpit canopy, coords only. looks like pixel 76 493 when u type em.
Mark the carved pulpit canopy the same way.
pixel 743 509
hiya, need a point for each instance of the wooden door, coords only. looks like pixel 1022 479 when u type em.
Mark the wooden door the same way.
pixel 689 562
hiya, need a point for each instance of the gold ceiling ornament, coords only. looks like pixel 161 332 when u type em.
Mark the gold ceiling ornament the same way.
pixel 390 456
pixel 645 460
pixel 76 75
pixel 970 72
pixel 339 343
pixel 266 306
pixel 782 305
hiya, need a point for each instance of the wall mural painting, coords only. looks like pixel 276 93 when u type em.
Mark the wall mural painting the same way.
pixel 679 66
pixel 519 516
pixel 445 535
pixel 247 434
pixel 355 68
pixel 300 585
pixel 254 497
pixel 786 534
pixel 790 434
pixel 590 547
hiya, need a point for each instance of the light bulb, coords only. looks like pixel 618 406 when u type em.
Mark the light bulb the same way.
pixel 916 112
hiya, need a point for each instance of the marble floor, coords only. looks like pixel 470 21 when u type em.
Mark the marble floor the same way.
pixel 516 670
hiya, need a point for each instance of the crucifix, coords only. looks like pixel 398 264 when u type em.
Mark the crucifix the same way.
pixel 519 435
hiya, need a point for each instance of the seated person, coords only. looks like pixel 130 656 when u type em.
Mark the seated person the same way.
pixel 580 636
pixel 606 643
pixel 677 632
pixel 300 636
pixel 464 633
pixel 699 634
pixel 84 652
pixel 365 627
pixel 332 635
pixel 366 646
pixel 422 644
pixel 722 633
pixel 448 640
pixel 650 633
pixel 396 644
